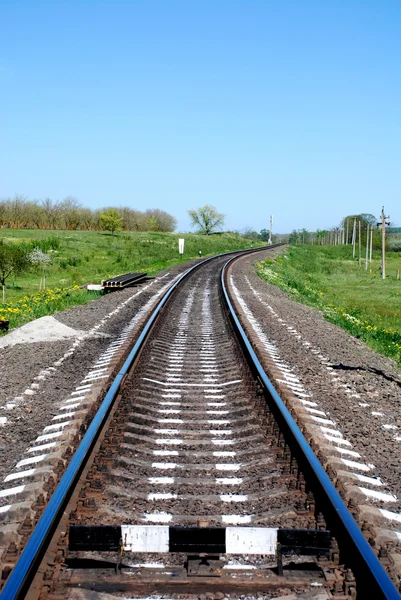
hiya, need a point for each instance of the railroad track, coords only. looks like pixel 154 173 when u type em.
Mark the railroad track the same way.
pixel 193 477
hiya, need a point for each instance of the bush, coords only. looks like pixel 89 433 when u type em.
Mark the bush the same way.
pixel 50 243
pixel 72 261
pixel 14 259
pixel 394 243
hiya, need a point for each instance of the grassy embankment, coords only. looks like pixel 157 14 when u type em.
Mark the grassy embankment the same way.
pixel 80 257
pixel 327 278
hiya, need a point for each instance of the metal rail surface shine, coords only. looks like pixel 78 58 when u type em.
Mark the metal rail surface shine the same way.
pixel 377 584
pixel 20 577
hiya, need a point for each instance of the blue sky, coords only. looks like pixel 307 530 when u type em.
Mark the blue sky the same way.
pixel 259 107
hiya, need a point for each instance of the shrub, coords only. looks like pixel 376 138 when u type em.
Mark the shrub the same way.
pixel 394 243
pixel 71 261
pixel 50 243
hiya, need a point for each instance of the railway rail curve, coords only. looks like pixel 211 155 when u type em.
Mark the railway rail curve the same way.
pixel 193 477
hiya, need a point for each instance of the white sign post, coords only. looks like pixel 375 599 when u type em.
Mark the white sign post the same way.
pixel 181 246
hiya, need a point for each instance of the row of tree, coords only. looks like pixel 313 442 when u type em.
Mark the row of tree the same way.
pixel 19 212
pixel 345 233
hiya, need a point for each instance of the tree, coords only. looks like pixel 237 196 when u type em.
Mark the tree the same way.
pixel 86 219
pixel 70 211
pixel 38 258
pixel 161 220
pixel 52 213
pixel 111 220
pixel 320 235
pixel 304 235
pixel 13 260
pixel 249 233
pixel 16 209
pixel 151 224
pixel 34 215
pixel 368 218
pixel 365 219
pixel 206 219
pixel 133 220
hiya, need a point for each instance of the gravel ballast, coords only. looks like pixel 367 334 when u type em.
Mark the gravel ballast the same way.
pixel 36 375
pixel 345 383
pixel 350 393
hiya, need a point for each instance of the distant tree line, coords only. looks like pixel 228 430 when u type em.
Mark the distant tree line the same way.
pixel 341 234
pixel 19 212
pixel 347 232
pixel 263 235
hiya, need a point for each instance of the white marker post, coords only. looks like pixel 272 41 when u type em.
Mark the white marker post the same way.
pixel 181 246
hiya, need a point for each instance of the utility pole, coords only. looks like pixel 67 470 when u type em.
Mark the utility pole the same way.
pixel 353 239
pixel 359 245
pixel 367 248
pixel 271 228
pixel 383 226
pixel 371 243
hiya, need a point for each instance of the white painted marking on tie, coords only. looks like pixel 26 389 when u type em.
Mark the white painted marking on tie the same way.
pixel 378 495
pixel 162 496
pixel 356 465
pixel 390 515
pixel 19 475
pixel 158 517
pixel 31 461
pixel 12 491
pixel 236 519
pixel 42 447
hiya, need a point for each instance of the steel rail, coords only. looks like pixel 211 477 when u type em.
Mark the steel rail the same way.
pixel 21 576
pixel 373 582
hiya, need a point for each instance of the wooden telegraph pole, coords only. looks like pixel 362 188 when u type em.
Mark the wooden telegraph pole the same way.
pixel 383 224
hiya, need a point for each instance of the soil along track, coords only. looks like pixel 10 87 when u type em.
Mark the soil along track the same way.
pixel 345 396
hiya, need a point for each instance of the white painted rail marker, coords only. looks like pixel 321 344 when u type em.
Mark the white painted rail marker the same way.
pixel 251 540
pixel 145 538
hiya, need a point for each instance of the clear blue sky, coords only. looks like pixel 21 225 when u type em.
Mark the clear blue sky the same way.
pixel 290 107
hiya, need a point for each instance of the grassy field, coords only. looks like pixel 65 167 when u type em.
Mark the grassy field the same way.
pixel 80 257
pixel 327 278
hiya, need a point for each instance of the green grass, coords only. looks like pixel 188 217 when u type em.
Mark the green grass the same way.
pixel 327 278
pixel 90 256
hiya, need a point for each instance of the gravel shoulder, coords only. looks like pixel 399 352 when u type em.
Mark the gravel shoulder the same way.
pixel 36 376
pixel 347 394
